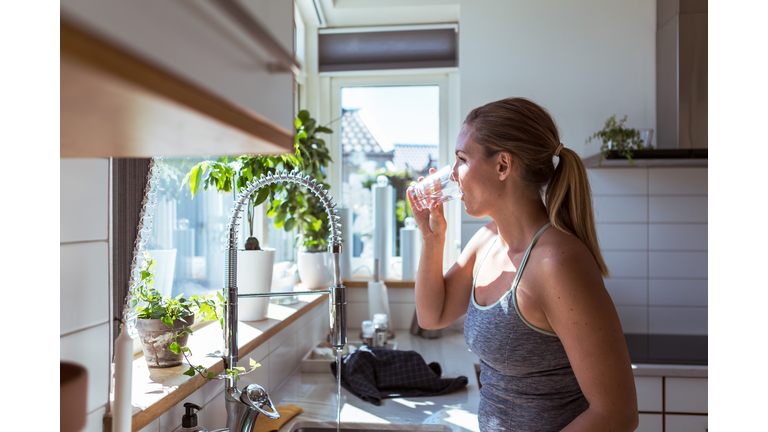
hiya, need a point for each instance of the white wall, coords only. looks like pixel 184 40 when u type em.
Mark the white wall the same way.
pixel 84 277
pixel 582 60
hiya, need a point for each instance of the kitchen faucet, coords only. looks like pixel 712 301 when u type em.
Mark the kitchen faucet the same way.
pixel 244 406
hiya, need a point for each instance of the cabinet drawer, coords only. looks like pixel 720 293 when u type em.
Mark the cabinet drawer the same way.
pixel 686 395
pixel 685 423
pixel 650 423
pixel 649 393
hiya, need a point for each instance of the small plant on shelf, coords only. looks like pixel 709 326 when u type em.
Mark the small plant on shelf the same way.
pixel 619 138
pixel 177 314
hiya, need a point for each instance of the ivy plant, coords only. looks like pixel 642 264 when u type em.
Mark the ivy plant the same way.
pixel 148 303
pixel 617 137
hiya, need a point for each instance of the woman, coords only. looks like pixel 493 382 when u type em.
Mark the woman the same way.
pixel 551 347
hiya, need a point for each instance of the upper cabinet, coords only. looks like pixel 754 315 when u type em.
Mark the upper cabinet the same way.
pixel 176 78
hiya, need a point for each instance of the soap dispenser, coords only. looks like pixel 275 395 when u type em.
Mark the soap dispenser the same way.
pixel 189 420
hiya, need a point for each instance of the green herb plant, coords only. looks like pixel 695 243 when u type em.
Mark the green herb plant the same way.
pixel 617 137
pixel 150 304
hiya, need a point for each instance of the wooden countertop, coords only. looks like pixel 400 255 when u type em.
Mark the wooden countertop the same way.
pixel 156 390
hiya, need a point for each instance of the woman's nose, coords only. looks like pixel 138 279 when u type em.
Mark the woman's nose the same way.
pixel 454 173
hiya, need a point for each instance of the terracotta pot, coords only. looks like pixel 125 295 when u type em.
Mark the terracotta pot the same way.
pixel 156 337
pixel 73 397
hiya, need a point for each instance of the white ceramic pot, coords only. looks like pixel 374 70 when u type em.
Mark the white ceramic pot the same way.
pixel 254 275
pixel 315 269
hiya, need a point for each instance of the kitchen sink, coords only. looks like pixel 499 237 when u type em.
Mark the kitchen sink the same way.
pixel 366 427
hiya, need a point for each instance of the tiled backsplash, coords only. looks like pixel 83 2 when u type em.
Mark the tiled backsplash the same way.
pixel 652 226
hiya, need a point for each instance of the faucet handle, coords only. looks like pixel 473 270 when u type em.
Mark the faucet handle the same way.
pixel 254 396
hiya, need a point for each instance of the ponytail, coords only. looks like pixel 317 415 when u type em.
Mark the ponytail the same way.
pixel 569 203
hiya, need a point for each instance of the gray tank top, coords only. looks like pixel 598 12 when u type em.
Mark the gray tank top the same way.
pixel 527 380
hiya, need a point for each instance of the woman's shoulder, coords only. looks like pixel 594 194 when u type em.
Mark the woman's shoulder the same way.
pixel 558 250
pixel 479 242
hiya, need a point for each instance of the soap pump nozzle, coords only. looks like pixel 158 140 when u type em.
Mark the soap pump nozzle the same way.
pixel 189 420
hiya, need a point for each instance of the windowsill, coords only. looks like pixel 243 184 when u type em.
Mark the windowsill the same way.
pixel 156 390
pixel 390 283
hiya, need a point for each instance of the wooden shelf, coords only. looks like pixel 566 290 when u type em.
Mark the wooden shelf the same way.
pixel 115 104
pixel 157 390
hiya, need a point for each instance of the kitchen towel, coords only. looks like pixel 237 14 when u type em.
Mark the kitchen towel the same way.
pixel 376 373
pixel 266 424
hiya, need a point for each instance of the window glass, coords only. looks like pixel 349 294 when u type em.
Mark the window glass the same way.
pixel 188 236
pixel 391 131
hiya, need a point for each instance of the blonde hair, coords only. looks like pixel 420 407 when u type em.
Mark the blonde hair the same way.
pixel 527 131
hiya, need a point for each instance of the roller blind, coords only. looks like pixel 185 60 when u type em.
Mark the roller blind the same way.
pixel 392 48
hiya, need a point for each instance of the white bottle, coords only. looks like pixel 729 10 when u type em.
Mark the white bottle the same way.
pixel 380 326
pixel 369 337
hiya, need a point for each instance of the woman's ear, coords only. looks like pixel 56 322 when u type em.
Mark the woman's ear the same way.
pixel 504 165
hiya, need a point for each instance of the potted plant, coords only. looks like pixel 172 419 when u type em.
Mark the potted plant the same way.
pixel 163 324
pixel 255 264
pixel 619 140
pixel 314 261
pixel 163 321
pixel 290 205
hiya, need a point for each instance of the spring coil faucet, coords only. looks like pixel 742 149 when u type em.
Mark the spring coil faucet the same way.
pixel 243 407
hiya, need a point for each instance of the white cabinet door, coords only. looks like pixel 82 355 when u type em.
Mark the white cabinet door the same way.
pixel 650 423
pixel 649 394
pixel 686 395
pixel 685 423
pixel 195 41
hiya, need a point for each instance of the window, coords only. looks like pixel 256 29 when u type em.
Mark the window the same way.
pixel 188 236
pixel 395 126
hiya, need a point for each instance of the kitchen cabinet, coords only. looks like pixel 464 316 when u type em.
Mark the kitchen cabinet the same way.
pixel 650 423
pixel 175 78
pixel 671 403
pixel 685 423
pixel 686 395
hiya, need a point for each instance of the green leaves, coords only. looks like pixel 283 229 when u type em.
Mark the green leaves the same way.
pixel 291 204
pixel 617 137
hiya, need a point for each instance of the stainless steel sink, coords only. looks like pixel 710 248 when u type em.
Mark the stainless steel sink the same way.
pixel 366 427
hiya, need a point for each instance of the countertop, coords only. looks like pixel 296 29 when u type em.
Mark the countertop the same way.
pixel 316 392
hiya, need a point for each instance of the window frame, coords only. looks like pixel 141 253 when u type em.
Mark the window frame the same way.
pixel 447 81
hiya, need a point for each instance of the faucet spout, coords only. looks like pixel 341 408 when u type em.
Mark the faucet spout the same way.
pixel 338 305
pixel 241 413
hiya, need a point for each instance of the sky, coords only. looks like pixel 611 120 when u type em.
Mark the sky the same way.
pixel 406 114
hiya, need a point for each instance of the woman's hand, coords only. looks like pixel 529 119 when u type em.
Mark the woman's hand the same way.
pixel 431 220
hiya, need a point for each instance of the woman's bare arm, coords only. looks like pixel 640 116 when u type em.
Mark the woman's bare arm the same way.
pixel 583 316
pixel 442 299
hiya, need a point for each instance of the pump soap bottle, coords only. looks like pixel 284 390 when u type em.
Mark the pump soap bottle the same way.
pixel 189 420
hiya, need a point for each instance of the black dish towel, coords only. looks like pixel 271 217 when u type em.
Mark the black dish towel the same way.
pixel 373 374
